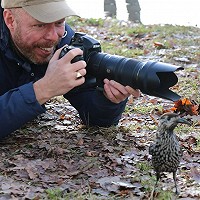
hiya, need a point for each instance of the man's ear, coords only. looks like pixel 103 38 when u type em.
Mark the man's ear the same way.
pixel 9 19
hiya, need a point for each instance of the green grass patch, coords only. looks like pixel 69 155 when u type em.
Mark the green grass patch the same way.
pixel 146 109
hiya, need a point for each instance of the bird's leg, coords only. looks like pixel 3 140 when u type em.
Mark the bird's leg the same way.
pixel 174 177
pixel 152 192
pixel 157 177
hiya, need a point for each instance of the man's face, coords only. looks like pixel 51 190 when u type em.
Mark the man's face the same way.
pixel 36 40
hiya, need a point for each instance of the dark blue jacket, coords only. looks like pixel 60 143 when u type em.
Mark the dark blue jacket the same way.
pixel 18 103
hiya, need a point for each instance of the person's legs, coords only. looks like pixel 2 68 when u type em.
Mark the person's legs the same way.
pixel 110 8
pixel 133 8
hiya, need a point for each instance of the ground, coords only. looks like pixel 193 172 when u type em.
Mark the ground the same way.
pixel 56 157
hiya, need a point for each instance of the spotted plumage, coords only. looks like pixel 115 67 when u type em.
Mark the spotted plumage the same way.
pixel 166 151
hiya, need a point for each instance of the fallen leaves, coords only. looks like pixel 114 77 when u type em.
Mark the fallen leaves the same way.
pixel 159 45
pixel 58 152
pixel 195 174
pixel 186 106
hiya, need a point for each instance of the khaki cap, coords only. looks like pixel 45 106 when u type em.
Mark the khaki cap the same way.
pixel 46 11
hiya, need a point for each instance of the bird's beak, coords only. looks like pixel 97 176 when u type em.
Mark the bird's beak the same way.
pixel 183 121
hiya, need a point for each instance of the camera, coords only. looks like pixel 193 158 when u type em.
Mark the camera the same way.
pixel 152 78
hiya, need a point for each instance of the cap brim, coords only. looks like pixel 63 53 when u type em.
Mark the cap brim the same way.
pixel 50 12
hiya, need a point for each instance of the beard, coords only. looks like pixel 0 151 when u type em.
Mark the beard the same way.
pixel 29 50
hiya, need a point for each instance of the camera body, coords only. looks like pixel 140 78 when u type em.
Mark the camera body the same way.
pixel 152 78
pixel 86 43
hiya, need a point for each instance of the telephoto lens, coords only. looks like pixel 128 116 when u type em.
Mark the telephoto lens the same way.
pixel 152 78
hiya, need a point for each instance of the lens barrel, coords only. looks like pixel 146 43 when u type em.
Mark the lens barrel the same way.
pixel 152 78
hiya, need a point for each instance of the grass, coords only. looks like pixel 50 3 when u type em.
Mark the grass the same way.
pixel 54 194
pixel 146 109
pixel 189 88
pixel 183 129
pixel 133 41
pixel 57 194
pixel 76 21
pixel 165 195
pixel 144 166
pixel 114 50
pixel 137 40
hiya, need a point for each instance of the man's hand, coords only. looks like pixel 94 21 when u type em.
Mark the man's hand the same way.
pixel 117 93
pixel 61 76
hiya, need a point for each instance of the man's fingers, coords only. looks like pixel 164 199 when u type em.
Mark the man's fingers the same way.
pixel 134 92
pixel 56 55
pixel 119 87
pixel 109 94
pixel 70 54
pixel 116 92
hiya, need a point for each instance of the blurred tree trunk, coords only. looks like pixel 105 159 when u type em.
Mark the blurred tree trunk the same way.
pixel 133 8
pixel 110 8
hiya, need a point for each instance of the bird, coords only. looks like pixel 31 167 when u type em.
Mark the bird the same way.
pixel 166 151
